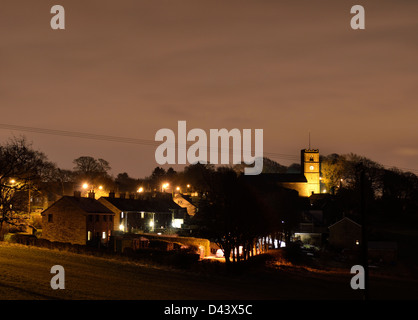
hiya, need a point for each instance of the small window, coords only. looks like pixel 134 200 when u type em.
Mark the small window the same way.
pixel 88 235
pixel 50 217
pixel 104 235
pixel 90 218
pixel 105 218
pixel 97 218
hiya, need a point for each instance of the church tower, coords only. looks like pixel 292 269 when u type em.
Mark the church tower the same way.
pixel 310 167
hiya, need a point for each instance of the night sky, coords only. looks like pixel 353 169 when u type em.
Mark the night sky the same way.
pixel 129 68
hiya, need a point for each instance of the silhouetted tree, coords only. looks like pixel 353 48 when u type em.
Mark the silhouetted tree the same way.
pixel 238 210
pixel 125 183
pixel 94 172
pixel 22 170
pixel 200 176
pixel 399 192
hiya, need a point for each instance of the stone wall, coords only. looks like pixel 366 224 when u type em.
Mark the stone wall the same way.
pixel 64 223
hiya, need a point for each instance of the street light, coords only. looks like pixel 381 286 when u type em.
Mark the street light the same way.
pixel 86 186
pixel 165 186
pixel 140 189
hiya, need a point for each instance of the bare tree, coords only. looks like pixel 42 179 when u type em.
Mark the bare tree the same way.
pixel 93 171
pixel 90 166
pixel 22 170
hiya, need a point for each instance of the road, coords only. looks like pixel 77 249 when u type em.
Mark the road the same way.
pixel 25 274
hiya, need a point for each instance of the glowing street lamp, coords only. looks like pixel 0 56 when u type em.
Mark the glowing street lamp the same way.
pixel 140 189
pixel 165 186
pixel 85 186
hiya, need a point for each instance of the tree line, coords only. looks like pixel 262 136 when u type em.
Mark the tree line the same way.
pixel 388 192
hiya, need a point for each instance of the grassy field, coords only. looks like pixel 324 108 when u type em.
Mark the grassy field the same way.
pixel 25 274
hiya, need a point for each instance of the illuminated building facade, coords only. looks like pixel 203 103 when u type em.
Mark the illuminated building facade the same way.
pixel 310 167
pixel 307 182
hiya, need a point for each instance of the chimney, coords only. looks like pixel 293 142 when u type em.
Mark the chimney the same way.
pixel 111 194
pixel 91 195
pixel 132 196
pixel 122 195
pixel 77 194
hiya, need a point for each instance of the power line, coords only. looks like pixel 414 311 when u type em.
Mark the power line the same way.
pixel 111 138
pixel 81 135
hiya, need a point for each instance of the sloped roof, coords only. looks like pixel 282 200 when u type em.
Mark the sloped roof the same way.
pixel 345 219
pixel 277 177
pixel 88 205
pixel 146 205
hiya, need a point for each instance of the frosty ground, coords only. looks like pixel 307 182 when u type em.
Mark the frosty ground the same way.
pixel 25 274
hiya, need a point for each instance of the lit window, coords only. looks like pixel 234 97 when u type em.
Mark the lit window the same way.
pixel 88 235
pixel 176 223
pixel 103 235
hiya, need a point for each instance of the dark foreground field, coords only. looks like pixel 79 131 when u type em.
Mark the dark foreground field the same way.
pixel 25 274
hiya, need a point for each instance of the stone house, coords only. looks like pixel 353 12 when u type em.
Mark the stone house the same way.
pixel 345 234
pixel 77 220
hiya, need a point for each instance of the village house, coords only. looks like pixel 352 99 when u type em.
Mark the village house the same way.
pixel 345 234
pixel 313 227
pixel 77 220
pixel 184 201
pixel 146 213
